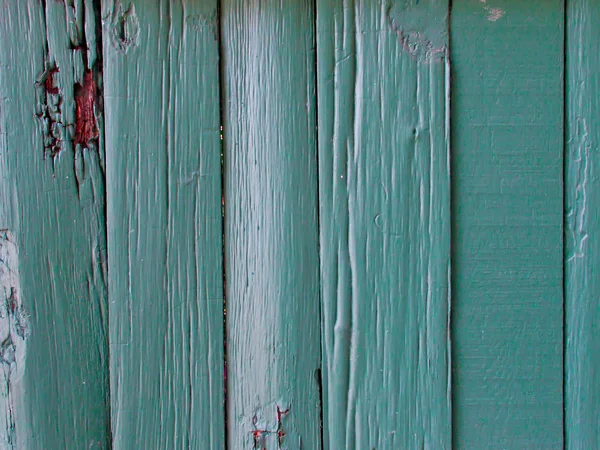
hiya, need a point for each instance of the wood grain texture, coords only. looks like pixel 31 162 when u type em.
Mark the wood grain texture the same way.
pixel 54 382
pixel 164 224
pixel 507 147
pixel 582 255
pixel 385 223
pixel 271 234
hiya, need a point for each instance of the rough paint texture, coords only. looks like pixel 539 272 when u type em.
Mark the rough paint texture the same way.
pixel 337 238
pixel 164 226
pixel 507 147
pixel 385 223
pixel 582 246
pixel 52 203
pixel 271 236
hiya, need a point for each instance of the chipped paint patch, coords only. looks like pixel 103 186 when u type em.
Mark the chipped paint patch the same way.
pixel 86 127
pixel 421 30
pixel 493 13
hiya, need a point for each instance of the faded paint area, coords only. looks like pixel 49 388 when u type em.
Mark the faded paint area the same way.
pixel 14 330
pixel 271 221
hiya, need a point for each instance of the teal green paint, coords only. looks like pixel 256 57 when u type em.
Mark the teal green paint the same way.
pixel 384 223
pixel 507 147
pixel 164 224
pixel 271 234
pixel 582 256
pixel 54 210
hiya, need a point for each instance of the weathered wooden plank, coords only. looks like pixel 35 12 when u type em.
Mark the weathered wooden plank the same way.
pixel 385 223
pixel 164 224
pixel 507 147
pixel 271 235
pixel 582 252
pixel 54 383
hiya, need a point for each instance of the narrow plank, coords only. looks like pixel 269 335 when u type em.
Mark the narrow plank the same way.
pixel 271 234
pixel 582 248
pixel 54 354
pixel 164 224
pixel 385 223
pixel 507 147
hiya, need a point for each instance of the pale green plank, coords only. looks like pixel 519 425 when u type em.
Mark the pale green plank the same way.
pixel 55 388
pixel 582 254
pixel 271 235
pixel 385 223
pixel 164 224
pixel 507 153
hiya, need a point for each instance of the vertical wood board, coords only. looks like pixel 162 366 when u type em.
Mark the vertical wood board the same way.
pixel 582 255
pixel 507 153
pixel 164 224
pixel 271 233
pixel 385 223
pixel 54 382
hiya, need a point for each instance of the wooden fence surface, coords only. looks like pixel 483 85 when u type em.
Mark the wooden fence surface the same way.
pixel 299 224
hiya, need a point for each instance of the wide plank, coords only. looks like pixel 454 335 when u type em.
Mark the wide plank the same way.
pixel 384 191
pixel 164 224
pixel 507 265
pixel 271 232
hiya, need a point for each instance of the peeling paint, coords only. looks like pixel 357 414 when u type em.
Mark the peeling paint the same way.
pixel 260 432
pixel 49 109
pixel 576 215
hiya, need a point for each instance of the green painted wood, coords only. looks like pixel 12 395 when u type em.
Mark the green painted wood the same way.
pixel 385 223
pixel 53 351
pixel 164 224
pixel 507 148
pixel 582 247
pixel 271 233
